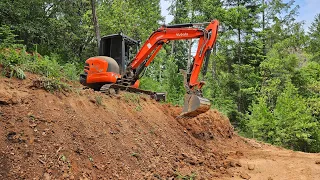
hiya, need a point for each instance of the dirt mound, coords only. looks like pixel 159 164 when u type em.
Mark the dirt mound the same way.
pixel 88 135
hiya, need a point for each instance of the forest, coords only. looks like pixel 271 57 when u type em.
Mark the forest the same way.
pixel 264 72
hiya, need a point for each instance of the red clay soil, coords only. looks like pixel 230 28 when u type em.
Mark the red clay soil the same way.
pixel 89 135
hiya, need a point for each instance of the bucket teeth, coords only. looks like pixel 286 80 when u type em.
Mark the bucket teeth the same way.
pixel 194 105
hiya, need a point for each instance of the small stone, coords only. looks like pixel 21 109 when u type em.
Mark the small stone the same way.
pixel 238 164
pixel 239 153
pixel 232 164
pixel 33 125
pixel 99 166
pixel 92 100
pixel 152 167
pixel 251 166
pixel 65 175
pixel 46 176
pixel 270 178
pixel 317 162
pixel 244 175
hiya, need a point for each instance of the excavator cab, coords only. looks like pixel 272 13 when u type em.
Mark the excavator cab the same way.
pixel 119 47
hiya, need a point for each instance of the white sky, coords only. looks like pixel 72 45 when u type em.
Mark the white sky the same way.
pixel 164 12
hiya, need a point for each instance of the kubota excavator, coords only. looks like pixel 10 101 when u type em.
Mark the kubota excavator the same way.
pixel 112 70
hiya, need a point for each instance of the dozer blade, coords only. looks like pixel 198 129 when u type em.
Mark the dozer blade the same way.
pixel 194 105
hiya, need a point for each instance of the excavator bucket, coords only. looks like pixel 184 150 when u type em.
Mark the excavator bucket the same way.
pixel 194 105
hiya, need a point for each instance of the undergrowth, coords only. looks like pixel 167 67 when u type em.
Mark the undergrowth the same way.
pixel 186 177
pixel 15 61
pixel 51 85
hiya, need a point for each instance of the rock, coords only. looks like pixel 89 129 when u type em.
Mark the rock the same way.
pixel 238 164
pixel 5 98
pixel 318 162
pixel 251 166
pixel 92 100
pixel 152 168
pixel 270 178
pixel 99 166
pixel 244 175
pixel 65 175
pixel 46 176
pixel 33 125
pixel 239 153
pixel 232 164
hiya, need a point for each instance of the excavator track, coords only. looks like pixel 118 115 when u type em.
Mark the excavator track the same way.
pixel 114 88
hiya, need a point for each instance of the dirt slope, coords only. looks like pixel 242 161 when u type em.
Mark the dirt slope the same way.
pixel 87 135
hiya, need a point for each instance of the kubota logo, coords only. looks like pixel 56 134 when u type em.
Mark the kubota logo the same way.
pixel 182 34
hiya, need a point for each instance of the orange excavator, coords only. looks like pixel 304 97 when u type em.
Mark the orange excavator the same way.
pixel 113 70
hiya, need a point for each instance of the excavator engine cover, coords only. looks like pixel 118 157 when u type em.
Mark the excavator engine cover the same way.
pixel 194 105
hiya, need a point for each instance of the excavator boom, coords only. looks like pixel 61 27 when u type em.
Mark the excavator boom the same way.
pixel 194 102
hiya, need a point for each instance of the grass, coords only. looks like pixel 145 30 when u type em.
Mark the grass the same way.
pixel 51 85
pixel 136 155
pixel 90 159
pixel 98 100
pixel 63 158
pixel 186 177
pixel 138 107
pixel 133 98
pixel 15 61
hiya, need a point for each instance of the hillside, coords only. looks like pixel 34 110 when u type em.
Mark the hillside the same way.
pixel 83 134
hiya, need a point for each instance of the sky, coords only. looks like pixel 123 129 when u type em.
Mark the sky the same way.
pixel 307 11
pixel 164 12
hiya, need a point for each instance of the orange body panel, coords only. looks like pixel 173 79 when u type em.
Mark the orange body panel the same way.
pixel 136 84
pixel 96 70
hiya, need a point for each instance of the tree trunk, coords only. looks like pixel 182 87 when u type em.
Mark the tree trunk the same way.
pixel 263 28
pixel 95 22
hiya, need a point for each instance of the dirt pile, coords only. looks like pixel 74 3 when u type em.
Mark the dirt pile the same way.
pixel 88 135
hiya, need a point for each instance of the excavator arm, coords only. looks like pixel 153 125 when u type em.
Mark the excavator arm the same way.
pixel 207 38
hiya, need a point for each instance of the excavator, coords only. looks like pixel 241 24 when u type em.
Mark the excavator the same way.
pixel 114 70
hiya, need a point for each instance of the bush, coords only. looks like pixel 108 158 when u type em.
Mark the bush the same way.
pixel 289 124
pixel 16 61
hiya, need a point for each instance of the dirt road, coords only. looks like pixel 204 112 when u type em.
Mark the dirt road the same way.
pixel 271 163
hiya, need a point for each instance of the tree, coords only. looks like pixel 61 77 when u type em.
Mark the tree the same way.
pixel 52 26
pixel 314 45
pixel 296 128
pixel 95 21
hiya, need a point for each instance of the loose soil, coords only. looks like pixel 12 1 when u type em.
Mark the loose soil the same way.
pixel 88 135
